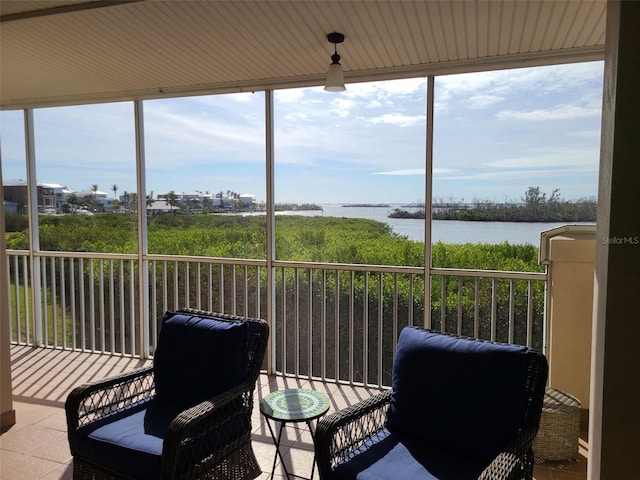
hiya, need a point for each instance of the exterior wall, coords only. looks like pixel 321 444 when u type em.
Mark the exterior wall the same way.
pixel 614 428
pixel 571 265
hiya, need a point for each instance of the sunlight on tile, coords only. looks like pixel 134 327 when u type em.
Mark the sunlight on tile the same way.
pixel 36 447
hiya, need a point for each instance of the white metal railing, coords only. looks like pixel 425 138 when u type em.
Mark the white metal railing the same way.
pixel 334 322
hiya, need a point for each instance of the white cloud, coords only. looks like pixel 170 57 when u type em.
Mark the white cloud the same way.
pixel 411 171
pixel 242 97
pixel 342 107
pixel 550 78
pixel 560 158
pixel 398 119
pixel 388 89
pixel 482 101
pixel 559 112
pixel 296 117
pixel 290 95
pixel 556 79
pixel 525 175
pixel 585 134
pixel 196 130
pixel 416 171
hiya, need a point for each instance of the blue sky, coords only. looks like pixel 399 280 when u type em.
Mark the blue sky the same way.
pixel 496 134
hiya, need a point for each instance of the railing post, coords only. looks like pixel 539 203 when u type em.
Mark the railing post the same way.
pixel 34 236
pixel 143 263
pixel 271 239
pixel 428 189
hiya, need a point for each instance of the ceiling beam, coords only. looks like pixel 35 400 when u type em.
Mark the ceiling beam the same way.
pixel 76 7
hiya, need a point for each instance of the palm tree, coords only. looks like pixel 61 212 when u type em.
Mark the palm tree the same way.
pixel 73 200
pixel 95 207
pixel 172 199
pixel 115 191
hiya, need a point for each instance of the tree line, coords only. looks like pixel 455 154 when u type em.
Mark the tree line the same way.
pixel 534 206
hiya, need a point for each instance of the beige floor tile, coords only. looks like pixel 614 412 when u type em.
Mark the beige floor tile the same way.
pixel 281 383
pixel 267 476
pixel 265 452
pixel 299 462
pixel 31 413
pixel 290 433
pixel 357 393
pixel 57 421
pixel 16 466
pixel 63 472
pixel 541 473
pixel 56 449
pixel 562 475
pixel 304 441
pixel 27 439
pixel 578 466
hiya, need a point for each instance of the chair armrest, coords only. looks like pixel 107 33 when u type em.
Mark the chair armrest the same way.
pixel 94 400
pixel 338 435
pixel 219 425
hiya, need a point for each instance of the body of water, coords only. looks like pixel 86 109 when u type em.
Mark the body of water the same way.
pixel 447 231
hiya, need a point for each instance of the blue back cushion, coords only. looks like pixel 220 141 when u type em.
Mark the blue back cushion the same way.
pixel 198 358
pixel 458 393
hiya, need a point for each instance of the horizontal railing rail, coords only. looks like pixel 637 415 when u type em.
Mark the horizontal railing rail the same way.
pixel 334 322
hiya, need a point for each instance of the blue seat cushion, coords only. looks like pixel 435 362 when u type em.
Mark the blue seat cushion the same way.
pixel 129 442
pixel 198 358
pixel 407 458
pixel 461 394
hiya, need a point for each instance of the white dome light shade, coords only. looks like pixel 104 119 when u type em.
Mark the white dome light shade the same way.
pixel 335 79
pixel 335 75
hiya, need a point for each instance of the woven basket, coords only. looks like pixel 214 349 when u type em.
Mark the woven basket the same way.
pixel 557 437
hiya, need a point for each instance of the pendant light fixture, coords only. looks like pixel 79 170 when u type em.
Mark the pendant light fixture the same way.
pixel 335 76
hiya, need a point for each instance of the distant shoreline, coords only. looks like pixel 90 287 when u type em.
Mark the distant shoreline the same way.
pixel 369 205
pixel 512 214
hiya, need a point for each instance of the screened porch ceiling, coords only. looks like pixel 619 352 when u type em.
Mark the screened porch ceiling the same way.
pixel 63 52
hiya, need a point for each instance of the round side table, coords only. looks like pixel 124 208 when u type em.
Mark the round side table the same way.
pixel 293 405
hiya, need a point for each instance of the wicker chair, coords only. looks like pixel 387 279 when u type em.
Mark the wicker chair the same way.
pixel 188 416
pixel 458 409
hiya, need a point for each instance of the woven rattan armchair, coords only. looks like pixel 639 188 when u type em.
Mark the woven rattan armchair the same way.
pixel 458 409
pixel 188 416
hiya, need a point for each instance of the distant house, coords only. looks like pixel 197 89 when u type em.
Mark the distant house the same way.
pixel 51 196
pixel 247 200
pixel 102 197
pixel 10 207
pixel 159 207
pixel 54 196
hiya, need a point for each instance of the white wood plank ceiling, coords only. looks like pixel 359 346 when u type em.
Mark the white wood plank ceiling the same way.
pixel 67 52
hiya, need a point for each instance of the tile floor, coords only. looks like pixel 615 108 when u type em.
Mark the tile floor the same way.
pixel 36 446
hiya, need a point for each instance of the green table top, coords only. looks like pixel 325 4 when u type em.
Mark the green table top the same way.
pixel 294 405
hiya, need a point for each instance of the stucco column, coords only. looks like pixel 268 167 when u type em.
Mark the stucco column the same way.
pixel 614 430
pixel 571 258
pixel 7 413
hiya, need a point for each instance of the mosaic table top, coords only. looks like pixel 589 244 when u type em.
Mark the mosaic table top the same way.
pixel 294 405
